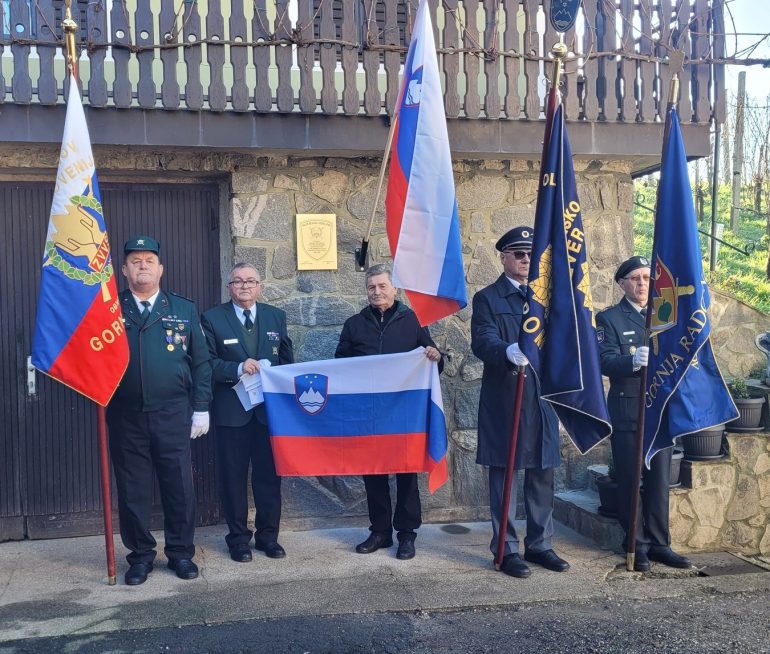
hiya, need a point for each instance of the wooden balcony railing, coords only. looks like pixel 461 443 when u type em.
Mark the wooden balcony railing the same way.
pixel 344 56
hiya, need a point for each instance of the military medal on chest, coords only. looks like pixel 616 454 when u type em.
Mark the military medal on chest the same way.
pixel 170 339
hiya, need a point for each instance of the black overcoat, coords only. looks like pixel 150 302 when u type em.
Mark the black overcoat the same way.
pixel 497 315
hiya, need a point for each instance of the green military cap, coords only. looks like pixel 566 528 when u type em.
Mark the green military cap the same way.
pixel 142 244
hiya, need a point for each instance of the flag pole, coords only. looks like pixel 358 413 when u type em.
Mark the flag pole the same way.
pixel 364 249
pixel 673 98
pixel 559 52
pixel 70 28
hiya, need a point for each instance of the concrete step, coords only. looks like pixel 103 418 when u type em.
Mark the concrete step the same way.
pixel 579 510
pixel 595 472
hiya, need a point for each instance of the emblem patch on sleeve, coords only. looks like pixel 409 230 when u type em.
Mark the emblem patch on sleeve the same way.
pixel 600 334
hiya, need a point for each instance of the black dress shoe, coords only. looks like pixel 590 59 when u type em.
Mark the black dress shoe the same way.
pixel 184 568
pixel 548 559
pixel 641 562
pixel 374 542
pixel 137 573
pixel 515 567
pixel 668 557
pixel 405 548
pixel 241 553
pixel 272 549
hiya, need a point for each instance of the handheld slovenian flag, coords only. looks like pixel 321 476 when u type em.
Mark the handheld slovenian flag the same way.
pixel 357 416
pixel 79 337
pixel 558 333
pixel 685 390
pixel 421 207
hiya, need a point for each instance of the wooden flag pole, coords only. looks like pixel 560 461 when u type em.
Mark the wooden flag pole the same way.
pixel 559 52
pixel 70 28
pixel 364 249
pixel 633 522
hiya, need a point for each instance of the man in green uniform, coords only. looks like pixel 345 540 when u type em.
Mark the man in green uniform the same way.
pixel 161 403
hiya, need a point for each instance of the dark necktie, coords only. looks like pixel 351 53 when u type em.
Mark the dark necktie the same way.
pixel 523 291
pixel 146 311
pixel 247 322
pixel 644 312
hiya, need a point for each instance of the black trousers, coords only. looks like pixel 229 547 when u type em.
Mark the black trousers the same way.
pixel 143 442
pixel 408 515
pixel 236 448
pixel 652 527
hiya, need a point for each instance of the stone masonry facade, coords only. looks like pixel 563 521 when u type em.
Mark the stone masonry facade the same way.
pixel 265 192
pixel 727 504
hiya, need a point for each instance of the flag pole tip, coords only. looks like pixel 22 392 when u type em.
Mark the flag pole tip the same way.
pixel 112 581
pixel 559 50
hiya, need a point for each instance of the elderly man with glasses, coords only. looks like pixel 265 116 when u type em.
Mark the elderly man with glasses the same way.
pixel 240 334
pixel 623 351
pixel 498 311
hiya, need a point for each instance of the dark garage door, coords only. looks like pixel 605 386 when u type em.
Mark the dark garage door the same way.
pixel 49 477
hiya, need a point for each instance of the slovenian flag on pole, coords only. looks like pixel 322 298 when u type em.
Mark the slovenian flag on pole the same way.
pixel 421 207
pixel 379 414
pixel 79 337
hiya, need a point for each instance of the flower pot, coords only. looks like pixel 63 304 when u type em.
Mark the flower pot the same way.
pixel 705 444
pixel 676 466
pixel 608 496
pixel 750 414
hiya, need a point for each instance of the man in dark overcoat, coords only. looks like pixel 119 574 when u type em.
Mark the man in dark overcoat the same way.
pixel 161 403
pixel 240 334
pixel 495 325
pixel 620 330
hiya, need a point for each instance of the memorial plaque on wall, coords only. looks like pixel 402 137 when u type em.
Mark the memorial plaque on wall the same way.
pixel 316 241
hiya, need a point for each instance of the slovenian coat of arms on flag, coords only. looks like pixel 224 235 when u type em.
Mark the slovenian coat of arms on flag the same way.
pixel 378 414
pixel 79 338
pixel 422 220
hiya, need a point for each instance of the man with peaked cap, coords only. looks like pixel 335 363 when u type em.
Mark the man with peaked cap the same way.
pixel 498 310
pixel 240 334
pixel 623 351
pixel 161 403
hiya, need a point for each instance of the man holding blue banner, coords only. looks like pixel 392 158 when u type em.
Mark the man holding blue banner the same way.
pixel 623 352
pixel 498 311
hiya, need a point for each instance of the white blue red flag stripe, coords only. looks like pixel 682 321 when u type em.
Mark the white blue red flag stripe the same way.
pixel 79 338
pixel 356 416
pixel 421 207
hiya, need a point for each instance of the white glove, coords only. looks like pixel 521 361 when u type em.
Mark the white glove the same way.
pixel 640 357
pixel 200 424
pixel 515 355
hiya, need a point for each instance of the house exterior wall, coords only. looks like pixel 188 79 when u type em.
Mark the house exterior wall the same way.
pixel 263 193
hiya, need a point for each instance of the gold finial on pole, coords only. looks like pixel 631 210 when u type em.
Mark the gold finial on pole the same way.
pixel 559 52
pixel 70 28
pixel 673 90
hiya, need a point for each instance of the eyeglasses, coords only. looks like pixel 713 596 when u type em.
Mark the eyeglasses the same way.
pixel 244 283
pixel 639 279
pixel 519 254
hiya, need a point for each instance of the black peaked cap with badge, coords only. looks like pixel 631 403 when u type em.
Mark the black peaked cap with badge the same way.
pixel 142 244
pixel 518 238
pixel 629 265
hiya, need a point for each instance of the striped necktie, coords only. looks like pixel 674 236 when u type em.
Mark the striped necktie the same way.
pixel 247 322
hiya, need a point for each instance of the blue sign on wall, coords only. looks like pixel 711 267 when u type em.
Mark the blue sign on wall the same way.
pixel 563 14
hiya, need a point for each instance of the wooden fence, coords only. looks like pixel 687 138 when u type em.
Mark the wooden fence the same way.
pixel 344 56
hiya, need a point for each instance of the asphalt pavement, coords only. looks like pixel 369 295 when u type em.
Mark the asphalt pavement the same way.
pixel 58 588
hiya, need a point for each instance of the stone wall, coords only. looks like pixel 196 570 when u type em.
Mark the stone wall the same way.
pixel 734 326
pixel 727 506
pixel 261 195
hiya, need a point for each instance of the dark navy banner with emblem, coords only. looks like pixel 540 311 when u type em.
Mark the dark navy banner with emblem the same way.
pixel 558 333
pixel 685 390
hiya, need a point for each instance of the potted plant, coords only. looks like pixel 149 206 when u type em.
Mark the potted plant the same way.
pixel 703 445
pixel 749 406
pixel 676 466
pixel 608 491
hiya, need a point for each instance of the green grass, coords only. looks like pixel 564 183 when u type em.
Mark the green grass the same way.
pixel 737 274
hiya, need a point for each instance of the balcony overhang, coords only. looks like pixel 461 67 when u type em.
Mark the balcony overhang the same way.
pixel 336 135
